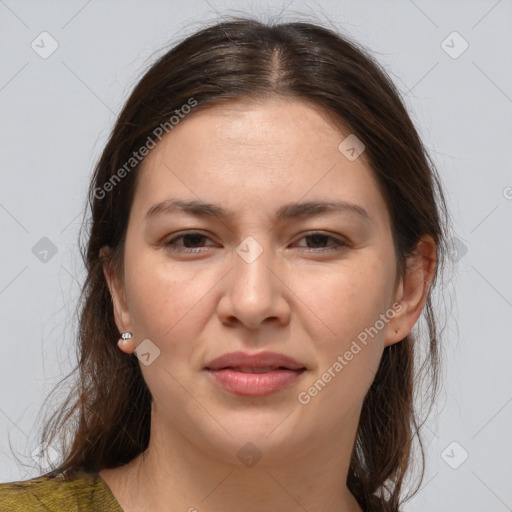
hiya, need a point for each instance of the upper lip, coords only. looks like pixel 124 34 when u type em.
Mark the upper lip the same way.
pixel 257 360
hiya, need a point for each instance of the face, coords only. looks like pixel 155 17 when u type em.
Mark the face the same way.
pixel 315 285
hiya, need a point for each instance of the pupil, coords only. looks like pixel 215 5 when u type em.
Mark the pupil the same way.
pixel 194 236
pixel 317 239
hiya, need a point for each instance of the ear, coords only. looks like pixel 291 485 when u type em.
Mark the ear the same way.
pixel 412 290
pixel 117 292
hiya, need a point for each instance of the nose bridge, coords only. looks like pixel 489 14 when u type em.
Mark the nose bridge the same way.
pixel 251 261
pixel 254 293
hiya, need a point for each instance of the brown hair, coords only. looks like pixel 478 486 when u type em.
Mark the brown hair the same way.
pixel 108 412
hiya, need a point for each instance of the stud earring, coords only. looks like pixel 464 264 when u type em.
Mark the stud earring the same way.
pixel 126 343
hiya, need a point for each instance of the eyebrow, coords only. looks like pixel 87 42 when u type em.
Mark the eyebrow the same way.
pixel 287 211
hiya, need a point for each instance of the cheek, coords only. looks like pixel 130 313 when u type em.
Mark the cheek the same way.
pixel 349 340
pixel 348 299
pixel 167 305
pixel 165 299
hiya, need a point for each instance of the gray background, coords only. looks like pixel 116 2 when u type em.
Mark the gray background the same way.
pixel 56 116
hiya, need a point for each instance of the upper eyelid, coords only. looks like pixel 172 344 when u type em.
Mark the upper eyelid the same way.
pixel 181 235
pixel 339 238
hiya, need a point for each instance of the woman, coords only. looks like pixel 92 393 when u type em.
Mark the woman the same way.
pixel 266 231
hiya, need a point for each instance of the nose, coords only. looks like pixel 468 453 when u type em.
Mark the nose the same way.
pixel 254 291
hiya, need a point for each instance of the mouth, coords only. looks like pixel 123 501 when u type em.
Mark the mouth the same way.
pixel 256 369
pixel 258 374
pixel 259 362
pixel 255 382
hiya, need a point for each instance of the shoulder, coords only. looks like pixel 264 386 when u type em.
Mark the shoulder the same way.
pixel 81 492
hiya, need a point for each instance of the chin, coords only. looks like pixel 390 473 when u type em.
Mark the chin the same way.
pixel 262 440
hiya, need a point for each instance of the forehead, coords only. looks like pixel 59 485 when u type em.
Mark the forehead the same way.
pixel 256 153
pixel 265 128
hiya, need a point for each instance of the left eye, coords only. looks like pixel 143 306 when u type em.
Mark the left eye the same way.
pixel 192 242
pixel 192 238
pixel 317 238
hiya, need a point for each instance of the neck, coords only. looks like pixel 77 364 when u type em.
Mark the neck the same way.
pixel 173 474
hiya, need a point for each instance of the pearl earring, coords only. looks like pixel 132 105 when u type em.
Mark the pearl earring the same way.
pixel 125 343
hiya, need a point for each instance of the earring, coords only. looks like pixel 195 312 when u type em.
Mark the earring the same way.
pixel 125 343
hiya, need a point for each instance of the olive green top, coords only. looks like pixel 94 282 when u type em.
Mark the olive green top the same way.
pixel 83 492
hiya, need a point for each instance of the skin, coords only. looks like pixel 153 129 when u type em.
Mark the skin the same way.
pixel 295 299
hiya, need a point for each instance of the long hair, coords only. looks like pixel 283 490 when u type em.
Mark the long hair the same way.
pixel 107 415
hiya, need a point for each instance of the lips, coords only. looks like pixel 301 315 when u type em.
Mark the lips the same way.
pixel 254 375
pixel 253 369
pixel 260 362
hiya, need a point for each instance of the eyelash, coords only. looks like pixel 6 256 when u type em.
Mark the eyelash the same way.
pixel 339 244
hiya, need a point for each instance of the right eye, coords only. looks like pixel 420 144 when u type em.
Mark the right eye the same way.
pixel 191 239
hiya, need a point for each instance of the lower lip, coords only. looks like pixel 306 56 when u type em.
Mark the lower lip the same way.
pixel 255 384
